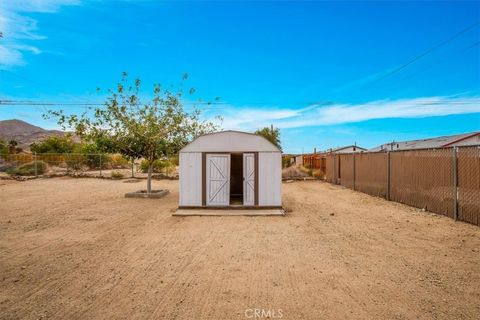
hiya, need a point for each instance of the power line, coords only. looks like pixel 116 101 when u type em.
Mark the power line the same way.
pixel 215 105
pixel 428 51
pixel 437 62
pixel 48 103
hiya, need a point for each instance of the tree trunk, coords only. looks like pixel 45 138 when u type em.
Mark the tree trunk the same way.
pixel 149 179
pixel 133 165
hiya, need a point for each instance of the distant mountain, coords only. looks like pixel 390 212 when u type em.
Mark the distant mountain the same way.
pixel 24 133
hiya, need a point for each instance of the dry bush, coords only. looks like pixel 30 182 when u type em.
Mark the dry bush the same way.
pixel 29 169
pixel 117 161
pixel 317 173
pixel 116 174
pixel 294 172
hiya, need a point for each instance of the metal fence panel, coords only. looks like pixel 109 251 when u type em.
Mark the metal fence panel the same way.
pixel 329 166
pixel 423 179
pixel 345 166
pixel 371 173
pixel 468 177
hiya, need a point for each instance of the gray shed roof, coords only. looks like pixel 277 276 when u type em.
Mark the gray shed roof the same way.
pixel 230 141
pixel 431 143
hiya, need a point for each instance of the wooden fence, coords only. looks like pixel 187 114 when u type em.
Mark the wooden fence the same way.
pixel 445 181
pixel 314 161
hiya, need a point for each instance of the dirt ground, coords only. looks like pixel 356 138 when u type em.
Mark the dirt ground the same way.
pixel 77 249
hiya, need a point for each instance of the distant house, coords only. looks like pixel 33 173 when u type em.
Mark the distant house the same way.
pixel 288 157
pixel 466 139
pixel 292 159
pixel 346 149
pixel 299 158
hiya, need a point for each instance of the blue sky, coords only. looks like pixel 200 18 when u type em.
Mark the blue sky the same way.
pixel 327 73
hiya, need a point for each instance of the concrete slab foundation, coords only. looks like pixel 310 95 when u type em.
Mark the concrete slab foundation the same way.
pixel 144 194
pixel 227 212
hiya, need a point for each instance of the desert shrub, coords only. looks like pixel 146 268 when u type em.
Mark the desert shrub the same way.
pixel 28 169
pixel 174 160
pixel 307 169
pixel 118 161
pixel 294 172
pixel 3 147
pixel 116 175
pixel 95 161
pixel 94 157
pixel 75 161
pixel 317 173
pixel 286 162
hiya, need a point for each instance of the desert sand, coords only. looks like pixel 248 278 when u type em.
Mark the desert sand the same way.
pixel 77 249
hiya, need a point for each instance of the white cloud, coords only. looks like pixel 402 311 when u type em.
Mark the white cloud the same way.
pixel 38 5
pixel 19 30
pixel 249 118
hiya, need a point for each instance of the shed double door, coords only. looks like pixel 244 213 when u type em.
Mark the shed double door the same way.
pixel 218 179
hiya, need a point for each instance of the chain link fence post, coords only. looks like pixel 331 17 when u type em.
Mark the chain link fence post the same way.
pixel 455 182
pixel 35 164
pixel 334 169
pixel 388 175
pixel 100 165
pixel 354 173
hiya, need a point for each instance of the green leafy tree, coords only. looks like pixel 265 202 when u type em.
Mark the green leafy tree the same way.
pixel 13 147
pixel 152 129
pixel 55 144
pixel 94 154
pixel 271 134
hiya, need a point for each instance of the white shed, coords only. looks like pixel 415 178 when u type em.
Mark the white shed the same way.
pixel 230 169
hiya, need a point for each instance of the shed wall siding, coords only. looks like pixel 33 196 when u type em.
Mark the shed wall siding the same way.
pixel 269 179
pixel 191 179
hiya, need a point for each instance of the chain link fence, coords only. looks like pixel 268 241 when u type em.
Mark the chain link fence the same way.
pixel 345 170
pixel 330 168
pixel 73 164
pixel 468 184
pixel 423 179
pixel 445 181
pixel 371 173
